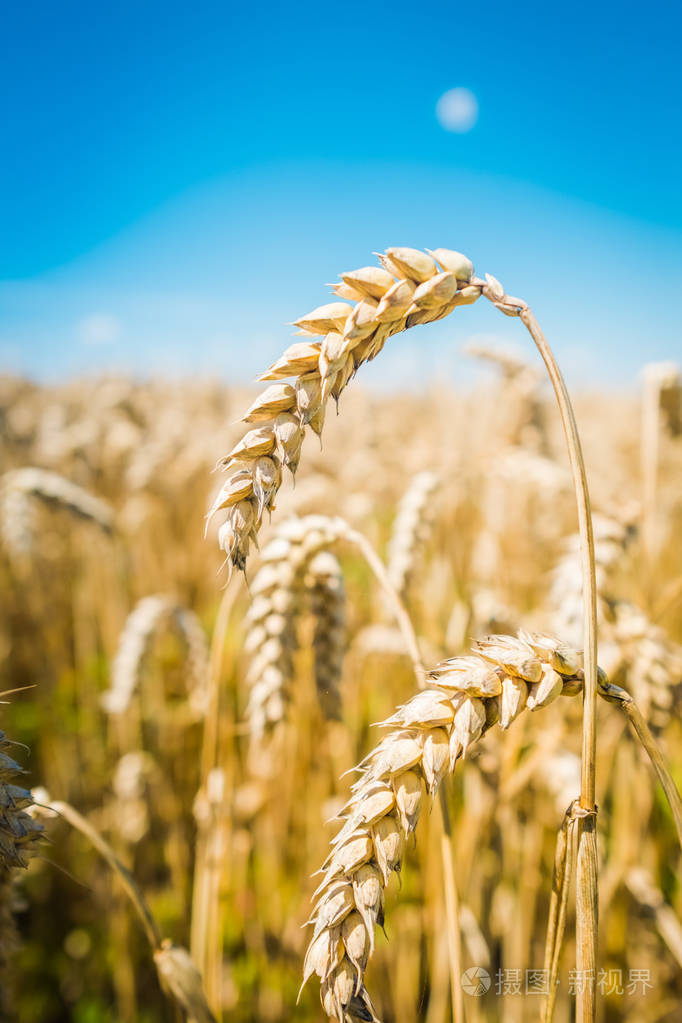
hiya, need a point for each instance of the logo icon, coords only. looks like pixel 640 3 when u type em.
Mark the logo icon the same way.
pixel 476 981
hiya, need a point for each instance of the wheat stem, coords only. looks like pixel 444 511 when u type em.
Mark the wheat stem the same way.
pixel 402 617
pixel 563 868
pixel 205 939
pixel 614 694
pixel 451 911
pixel 587 863
pixel 129 883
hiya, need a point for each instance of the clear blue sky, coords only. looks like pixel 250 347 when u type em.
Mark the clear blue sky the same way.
pixel 178 181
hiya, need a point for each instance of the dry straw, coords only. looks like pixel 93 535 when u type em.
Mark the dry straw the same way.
pixel 177 973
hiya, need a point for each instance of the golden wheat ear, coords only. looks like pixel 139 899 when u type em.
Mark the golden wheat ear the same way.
pixel 425 739
pixel 409 288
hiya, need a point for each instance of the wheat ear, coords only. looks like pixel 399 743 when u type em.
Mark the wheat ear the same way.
pixel 633 646
pixel 411 530
pixel 278 594
pixel 53 489
pixel 143 623
pixel 650 663
pixel 612 539
pixel 324 582
pixel 19 835
pixel 428 734
pixel 409 288
pixel 19 488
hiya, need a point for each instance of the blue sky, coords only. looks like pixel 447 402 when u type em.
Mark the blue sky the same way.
pixel 179 181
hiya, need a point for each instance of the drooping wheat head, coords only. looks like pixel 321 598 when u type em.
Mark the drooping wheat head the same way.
pixel 467 696
pixel 409 288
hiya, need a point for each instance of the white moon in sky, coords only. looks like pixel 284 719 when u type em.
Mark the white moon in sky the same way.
pixel 457 110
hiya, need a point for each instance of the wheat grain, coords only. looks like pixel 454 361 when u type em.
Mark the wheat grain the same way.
pixel 134 643
pixel 19 488
pixel 633 647
pixel 129 782
pixel 196 658
pixel 427 736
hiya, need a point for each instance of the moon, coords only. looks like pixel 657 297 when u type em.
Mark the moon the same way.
pixel 457 110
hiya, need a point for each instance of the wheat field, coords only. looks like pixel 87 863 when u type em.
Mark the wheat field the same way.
pixel 189 728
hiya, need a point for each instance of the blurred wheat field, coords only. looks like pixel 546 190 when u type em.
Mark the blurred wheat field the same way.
pixel 467 498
